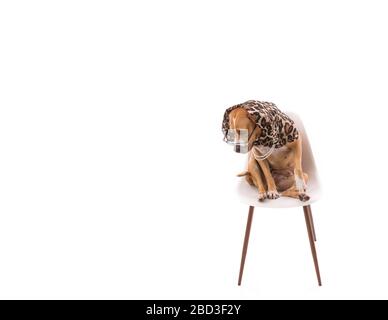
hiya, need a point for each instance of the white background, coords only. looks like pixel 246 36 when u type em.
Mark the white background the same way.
pixel 115 181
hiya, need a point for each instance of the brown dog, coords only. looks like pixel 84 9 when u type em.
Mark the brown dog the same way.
pixel 273 170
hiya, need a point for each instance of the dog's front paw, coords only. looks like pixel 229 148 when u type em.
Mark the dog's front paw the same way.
pixel 272 194
pixel 262 196
pixel 304 197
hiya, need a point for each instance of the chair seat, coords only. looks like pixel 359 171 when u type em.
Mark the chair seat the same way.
pixel 249 194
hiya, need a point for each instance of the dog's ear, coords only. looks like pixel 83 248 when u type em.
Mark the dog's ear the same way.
pixel 253 136
pixel 254 131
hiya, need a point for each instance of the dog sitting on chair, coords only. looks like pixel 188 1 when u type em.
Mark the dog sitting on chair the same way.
pixel 274 145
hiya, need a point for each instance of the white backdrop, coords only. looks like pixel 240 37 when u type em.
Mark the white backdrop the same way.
pixel 115 181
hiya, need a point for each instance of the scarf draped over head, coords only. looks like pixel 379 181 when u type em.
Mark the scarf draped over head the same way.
pixel 277 129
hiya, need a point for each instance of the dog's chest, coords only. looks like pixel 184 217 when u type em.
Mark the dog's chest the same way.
pixel 280 158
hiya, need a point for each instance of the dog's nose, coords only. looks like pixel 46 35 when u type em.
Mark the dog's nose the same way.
pixel 237 148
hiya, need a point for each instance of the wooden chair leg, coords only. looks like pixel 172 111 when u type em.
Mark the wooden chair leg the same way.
pixel 246 240
pixel 312 244
pixel 312 222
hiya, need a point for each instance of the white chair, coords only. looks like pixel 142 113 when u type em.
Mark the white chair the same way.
pixel 248 195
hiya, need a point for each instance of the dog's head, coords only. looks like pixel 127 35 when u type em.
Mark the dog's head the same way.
pixel 240 130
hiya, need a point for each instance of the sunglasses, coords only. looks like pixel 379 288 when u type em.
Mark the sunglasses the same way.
pixel 238 138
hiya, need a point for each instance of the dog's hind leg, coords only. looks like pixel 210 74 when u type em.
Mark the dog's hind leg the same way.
pixel 300 182
pixel 294 192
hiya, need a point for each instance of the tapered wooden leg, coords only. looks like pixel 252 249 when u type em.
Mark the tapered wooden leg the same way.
pixel 312 222
pixel 246 241
pixel 312 244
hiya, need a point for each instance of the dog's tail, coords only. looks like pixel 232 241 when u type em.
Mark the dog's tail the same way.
pixel 247 176
pixel 242 174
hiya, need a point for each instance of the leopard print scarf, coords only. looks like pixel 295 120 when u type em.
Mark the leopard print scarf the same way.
pixel 277 128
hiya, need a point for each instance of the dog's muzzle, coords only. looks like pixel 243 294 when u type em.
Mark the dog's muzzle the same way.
pixel 238 139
